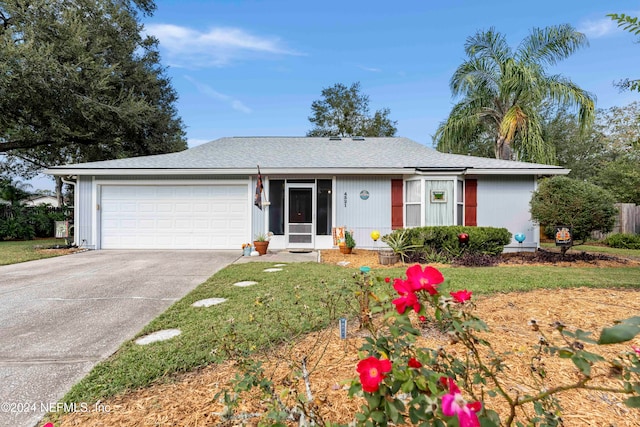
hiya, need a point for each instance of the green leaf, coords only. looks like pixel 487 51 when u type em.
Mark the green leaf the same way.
pixel 407 386
pixel 373 400
pixel 563 353
pixel 378 416
pixel 487 422
pixel 591 357
pixel 421 383
pixel 633 402
pixel 584 336
pixel 619 333
pixel 582 364
pixel 392 412
pixel 414 415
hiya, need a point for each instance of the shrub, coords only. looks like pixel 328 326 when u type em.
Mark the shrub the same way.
pixel 564 201
pixel 623 241
pixel 16 226
pixel 25 223
pixel 442 244
pixel 477 260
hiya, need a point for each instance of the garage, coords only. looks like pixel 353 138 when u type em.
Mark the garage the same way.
pixel 174 216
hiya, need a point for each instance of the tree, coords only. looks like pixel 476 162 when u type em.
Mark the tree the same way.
pixel 344 112
pixel 608 155
pixel 502 91
pixel 79 83
pixel 585 153
pixel 13 191
pixel 630 24
pixel 581 205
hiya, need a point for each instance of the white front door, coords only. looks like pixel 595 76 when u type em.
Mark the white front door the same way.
pixel 300 217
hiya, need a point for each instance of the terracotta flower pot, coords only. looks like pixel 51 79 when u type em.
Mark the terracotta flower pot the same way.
pixel 345 249
pixel 261 247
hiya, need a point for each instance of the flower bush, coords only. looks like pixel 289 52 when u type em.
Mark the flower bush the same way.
pixel 402 382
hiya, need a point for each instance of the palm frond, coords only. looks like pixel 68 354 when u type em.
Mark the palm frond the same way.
pixel 551 44
pixel 474 74
pixel 563 91
pixel 488 44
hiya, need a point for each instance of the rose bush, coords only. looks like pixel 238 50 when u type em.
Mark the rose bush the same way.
pixel 421 385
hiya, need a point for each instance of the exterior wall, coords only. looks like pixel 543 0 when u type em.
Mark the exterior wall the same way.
pixel 83 213
pixel 364 216
pixel 503 201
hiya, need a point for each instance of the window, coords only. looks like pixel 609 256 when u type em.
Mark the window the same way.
pixel 413 205
pixel 434 201
pixel 324 207
pixel 439 202
pixel 276 209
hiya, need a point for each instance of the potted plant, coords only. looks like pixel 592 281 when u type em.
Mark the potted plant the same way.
pixel 398 248
pixel 349 243
pixel 261 243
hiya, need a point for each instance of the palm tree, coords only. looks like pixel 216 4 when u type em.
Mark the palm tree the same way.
pixel 502 92
pixel 13 191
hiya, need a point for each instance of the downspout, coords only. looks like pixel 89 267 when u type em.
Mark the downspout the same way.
pixel 75 203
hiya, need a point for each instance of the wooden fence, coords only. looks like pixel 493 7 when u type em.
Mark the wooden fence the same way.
pixel 627 221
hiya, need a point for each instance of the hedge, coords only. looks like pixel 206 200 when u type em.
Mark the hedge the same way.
pixel 441 244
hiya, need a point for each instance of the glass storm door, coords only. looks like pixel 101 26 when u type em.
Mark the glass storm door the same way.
pixel 300 228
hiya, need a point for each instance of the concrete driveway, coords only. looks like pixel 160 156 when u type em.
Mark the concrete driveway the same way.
pixel 60 316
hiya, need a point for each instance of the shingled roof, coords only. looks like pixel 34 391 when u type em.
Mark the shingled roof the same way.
pixel 275 154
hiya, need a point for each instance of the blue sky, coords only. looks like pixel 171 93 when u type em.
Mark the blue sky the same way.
pixel 253 67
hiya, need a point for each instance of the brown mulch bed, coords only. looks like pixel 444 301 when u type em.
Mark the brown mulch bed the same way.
pixel 188 400
pixel 59 251
pixel 362 257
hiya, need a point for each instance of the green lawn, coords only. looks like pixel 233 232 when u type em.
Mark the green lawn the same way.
pixel 302 298
pixel 15 252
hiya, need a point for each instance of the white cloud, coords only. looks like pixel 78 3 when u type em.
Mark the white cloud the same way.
pixel 598 28
pixel 218 47
pixel 212 93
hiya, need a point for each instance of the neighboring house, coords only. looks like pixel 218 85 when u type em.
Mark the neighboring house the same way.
pixel 41 200
pixel 203 197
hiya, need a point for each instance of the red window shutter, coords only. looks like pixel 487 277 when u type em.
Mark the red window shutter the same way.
pixel 396 204
pixel 471 202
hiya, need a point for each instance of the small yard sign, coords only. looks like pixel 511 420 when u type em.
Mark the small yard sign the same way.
pixel 343 328
pixel 564 236
pixel 62 229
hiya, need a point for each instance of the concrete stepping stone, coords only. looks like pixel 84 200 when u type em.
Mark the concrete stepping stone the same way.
pixel 208 302
pixel 280 265
pixel 165 334
pixel 271 270
pixel 245 284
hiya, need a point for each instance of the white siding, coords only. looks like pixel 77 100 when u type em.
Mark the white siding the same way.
pixel 503 201
pixel 83 213
pixel 364 216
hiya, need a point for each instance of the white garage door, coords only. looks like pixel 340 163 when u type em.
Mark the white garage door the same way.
pixel 174 216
